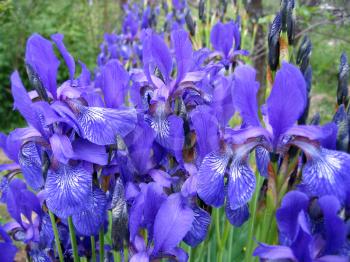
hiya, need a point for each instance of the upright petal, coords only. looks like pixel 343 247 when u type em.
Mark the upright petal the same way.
pixel 68 58
pixel 183 52
pixel 221 37
pixel 89 221
pixel 210 183
pixel 61 148
pixel 244 94
pixel 206 128
pixel 102 125
pixel 69 189
pixel 42 59
pixel 241 184
pixel 114 81
pixel 173 220
pixel 287 99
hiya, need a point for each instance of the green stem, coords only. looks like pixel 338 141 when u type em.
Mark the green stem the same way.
pixel 57 238
pixel 102 244
pixel 230 243
pixel 217 227
pixel 93 248
pixel 73 239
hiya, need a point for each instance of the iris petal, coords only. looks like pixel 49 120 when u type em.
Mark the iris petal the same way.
pixel 210 183
pixel 241 184
pixel 237 216
pixel 68 189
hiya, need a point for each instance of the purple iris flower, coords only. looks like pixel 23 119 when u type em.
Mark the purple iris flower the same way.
pixel 8 249
pixel 226 41
pixel 310 230
pixel 325 172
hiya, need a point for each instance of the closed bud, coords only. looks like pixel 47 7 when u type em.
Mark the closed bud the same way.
pixel 287 19
pixel 340 118
pixel 304 53
pixel 191 25
pixel 201 10
pixel 36 82
pixel 273 42
pixel 342 92
pixel 316 119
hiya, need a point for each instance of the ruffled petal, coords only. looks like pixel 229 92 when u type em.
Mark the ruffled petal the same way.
pixel 89 221
pixel 287 100
pixel 238 216
pixel 199 229
pixel 30 161
pixel 241 184
pixel 69 189
pixel 114 80
pixel 41 58
pixel 102 125
pixel 173 220
pixel 210 182
pixel 244 96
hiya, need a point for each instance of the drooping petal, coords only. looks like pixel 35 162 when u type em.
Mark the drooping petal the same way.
pixel 238 216
pixel 287 99
pixel 326 171
pixel 173 220
pixel 68 58
pixel 244 94
pixel 89 221
pixel 199 229
pixel 43 61
pixel 210 182
pixel 206 129
pixel 287 215
pixel 241 184
pixel 87 151
pixel 31 165
pixel 114 80
pixel 102 125
pixel 183 52
pixel 68 189
pixel 61 148
pixel 262 157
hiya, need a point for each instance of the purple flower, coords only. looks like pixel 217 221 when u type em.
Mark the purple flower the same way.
pixel 303 237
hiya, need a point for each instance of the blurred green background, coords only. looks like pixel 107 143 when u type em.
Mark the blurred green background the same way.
pixel 83 23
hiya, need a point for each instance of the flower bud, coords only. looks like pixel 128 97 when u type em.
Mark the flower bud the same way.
pixel 201 10
pixel 36 83
pixel 273 42
pixel 340 118
pixel 287 19
pixel 191 25
pixel 342 92
pixel 304 53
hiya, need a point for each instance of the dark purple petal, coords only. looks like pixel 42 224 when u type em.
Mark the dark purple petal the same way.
pixel 206 128
pixel 210 183
pixel 183 52
pixel 237 217
pixel 326 172
pixel 269 252
pixel 287 215
pixel 241 184
pixel 89 221
pixel 114 80
pixel 173 221
pixel 334 227
pixel 244 94
pixel 31 165
pixel 8 252
pixel 102 125
pixel 61 148
pixel 287 99
pixel 87 151
pixel 136 214
pixel 68 189
pixel 68 58
pixel 199 229
pixel 42 59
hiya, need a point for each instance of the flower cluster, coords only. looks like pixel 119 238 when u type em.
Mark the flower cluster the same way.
pixel 140 150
